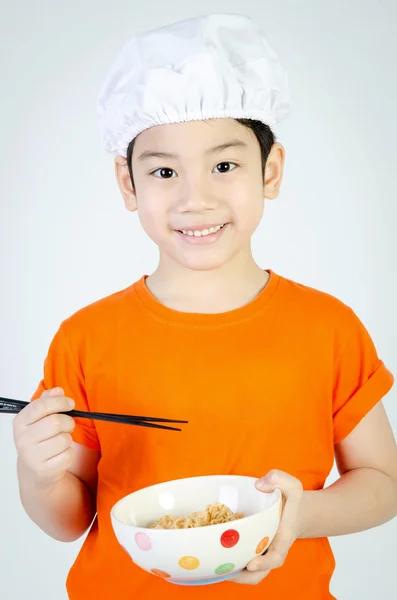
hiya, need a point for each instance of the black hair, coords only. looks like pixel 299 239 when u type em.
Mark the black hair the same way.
pixel 263 133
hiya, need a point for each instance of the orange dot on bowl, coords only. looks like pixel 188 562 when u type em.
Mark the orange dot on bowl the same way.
pixel 262 545
pixel 189 563
pixel 160 573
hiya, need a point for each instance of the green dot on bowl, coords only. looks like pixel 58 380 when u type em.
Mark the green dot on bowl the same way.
pixel 225 568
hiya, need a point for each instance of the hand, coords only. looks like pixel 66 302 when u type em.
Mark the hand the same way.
pixel 42 438
pixel 288 531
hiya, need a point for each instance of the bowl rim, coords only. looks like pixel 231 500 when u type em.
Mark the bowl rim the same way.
pixel 218 526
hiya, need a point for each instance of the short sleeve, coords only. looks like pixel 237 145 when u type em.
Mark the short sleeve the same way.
pixel 62 369
pixel 361 379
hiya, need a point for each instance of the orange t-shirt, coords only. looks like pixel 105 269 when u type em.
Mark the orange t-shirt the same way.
pixel 272 385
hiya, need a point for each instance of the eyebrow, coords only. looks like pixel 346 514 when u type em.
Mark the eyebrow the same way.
pixel 153 154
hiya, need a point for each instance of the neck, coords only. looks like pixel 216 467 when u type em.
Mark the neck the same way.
pixel 226 288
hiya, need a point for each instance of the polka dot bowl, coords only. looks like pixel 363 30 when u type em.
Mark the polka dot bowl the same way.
pixel 199 555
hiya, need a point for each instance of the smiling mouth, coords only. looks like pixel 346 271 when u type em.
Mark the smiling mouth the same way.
pixel 202 232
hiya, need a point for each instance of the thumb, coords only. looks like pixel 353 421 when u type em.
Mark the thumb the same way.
pixel 264 484
pixel 57 391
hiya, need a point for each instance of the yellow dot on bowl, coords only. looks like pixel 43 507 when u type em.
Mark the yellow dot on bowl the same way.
pixel 189 563
pixel 262 545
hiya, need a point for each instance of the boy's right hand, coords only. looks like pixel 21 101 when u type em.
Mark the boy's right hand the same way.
pixel 43 438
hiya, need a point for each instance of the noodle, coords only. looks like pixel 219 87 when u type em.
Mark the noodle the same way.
pixel 214 514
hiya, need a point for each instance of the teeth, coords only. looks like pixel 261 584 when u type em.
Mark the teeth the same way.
pixel 202 233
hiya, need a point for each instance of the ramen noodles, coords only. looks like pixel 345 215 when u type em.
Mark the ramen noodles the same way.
pixel 214 514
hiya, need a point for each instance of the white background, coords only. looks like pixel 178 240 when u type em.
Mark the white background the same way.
pixel 66 239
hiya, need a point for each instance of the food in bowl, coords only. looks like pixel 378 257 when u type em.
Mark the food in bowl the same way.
pixel 199 555
pixel 214 514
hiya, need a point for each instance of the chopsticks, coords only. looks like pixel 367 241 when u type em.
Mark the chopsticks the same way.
pixel 9 406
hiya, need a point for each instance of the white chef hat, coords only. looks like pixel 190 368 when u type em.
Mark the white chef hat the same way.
pixel 211 66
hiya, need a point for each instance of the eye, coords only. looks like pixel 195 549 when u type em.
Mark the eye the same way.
pixel 225 167
pixel 165 173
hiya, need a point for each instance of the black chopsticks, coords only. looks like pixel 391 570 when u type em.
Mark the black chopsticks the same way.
pixel 8 406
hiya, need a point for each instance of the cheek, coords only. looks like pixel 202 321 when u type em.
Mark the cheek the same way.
pixel 153 230
pixel 153 218
pixel 248 212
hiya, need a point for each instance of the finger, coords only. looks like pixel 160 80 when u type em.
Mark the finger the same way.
pixel 288 484
pixel 274 559
pixel 61 461
pixel 49 427
pixel 283 540
pixel 287 531
pixel 45 429
pixel 52 402
pixel 291 489
pixel 56 465
pixel 56 391
pixel 247 578
pixel 54 446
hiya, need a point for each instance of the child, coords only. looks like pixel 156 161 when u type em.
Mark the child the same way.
pixel 276 379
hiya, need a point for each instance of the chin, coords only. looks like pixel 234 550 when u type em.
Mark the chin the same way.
pixel 202 265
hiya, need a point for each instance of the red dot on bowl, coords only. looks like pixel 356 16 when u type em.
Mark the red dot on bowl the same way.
pixel 143 541
pixel 160 573
pixel 230 538
pixel 262 545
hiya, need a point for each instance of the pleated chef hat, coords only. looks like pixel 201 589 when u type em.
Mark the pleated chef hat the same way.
pixel 211 66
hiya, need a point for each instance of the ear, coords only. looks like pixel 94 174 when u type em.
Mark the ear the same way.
pixel 274 171
pixel 124 182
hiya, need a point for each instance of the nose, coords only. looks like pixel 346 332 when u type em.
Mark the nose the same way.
pixel 195 197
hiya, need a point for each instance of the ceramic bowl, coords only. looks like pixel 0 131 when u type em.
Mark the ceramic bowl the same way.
pixel 199 555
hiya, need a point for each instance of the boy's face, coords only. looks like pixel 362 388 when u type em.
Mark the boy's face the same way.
pixel 200 205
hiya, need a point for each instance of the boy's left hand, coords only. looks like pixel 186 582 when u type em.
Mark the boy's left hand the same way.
pixel 288 531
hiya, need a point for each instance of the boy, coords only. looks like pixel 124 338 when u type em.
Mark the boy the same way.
pixel 276 379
